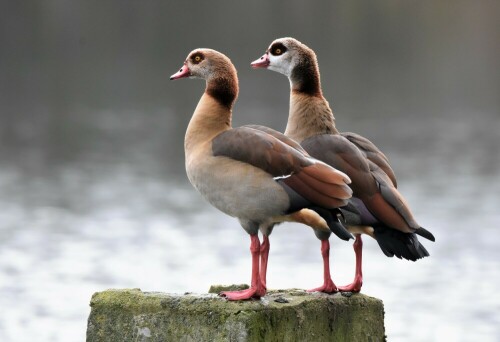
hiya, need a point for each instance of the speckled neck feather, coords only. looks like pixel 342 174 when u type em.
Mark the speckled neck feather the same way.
pixel 309 116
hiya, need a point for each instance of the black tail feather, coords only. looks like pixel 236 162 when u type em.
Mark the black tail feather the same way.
pixel 331 218
pixel 396 243
pixel 425 234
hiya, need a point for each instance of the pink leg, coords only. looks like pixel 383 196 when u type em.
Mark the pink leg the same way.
pixel 256 289
pixel 355 286
pixel 328 285
pixel 264 255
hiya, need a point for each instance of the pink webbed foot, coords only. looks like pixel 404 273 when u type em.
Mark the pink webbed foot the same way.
pixel 355 286
pixel 328 287
pixel 253 292
pixel 257 288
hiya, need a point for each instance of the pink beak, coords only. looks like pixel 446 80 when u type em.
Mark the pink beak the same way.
pixel 262 62
pixel 184 72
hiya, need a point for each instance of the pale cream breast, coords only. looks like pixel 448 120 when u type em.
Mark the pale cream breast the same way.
pixel 237 189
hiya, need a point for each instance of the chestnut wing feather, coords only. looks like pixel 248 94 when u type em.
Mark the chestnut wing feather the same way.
pixel 392 196
pixel 280 136
pixel 310 178
pixel 373 153
pixel 370 182
pixel 341 154
pixel 261 150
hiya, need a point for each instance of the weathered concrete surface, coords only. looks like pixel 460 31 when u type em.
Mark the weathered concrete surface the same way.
pixel 282 315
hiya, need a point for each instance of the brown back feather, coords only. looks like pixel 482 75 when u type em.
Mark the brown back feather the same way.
pixel 372 153
pixel 315 181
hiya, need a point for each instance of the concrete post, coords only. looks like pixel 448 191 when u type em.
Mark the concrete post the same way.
pixel 282 315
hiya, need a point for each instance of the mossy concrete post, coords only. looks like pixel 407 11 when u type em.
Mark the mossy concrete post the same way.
pixel 282 315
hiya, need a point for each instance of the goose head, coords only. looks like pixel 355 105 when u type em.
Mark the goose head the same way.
pixel 284 55
pixel 216 69
pixel 296 61
pixel 206 64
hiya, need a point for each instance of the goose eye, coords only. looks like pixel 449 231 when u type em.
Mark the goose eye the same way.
pixel 278 49
pixel 197 59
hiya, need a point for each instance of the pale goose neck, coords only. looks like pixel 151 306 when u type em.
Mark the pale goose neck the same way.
pixel 214 111
pixel 309 116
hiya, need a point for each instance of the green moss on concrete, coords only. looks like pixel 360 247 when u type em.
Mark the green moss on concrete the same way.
pixel 283 315
pixel 219 288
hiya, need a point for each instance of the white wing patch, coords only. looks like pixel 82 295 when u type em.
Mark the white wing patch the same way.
pixel 282 177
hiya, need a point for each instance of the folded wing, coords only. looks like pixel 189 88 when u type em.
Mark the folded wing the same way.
pixel 315 181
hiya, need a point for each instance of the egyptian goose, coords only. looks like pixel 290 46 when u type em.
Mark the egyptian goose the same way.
pixel 254 173
pixel 376 208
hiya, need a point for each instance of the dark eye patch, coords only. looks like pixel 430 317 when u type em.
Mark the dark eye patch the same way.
pixel 197 58
pixel 277 49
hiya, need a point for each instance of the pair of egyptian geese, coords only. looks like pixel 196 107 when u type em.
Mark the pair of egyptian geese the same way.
pixel 313 174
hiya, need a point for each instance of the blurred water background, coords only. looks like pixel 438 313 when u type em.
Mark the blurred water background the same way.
pixel 93 193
